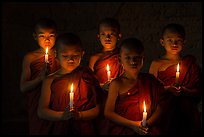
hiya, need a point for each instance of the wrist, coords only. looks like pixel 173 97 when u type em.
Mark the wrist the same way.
pixel 79 115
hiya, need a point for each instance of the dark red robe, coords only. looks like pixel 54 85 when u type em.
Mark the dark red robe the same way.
pixel 86 92
pixel 130 103
pixel 183 117
pixel 100 69
pixel 38 126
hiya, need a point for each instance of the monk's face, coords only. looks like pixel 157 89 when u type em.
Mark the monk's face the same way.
pixel 173 42
pixel 70 56
pixel 108 37
pixel 131 60
pixel 45 37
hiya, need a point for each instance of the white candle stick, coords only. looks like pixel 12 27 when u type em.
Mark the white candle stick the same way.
pixel 71 96
pixel 46 56
pixel 144 119
pixel 108 72
pixel 177 74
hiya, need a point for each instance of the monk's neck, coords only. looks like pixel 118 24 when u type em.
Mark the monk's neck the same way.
pixel 172 57
pixel 130 76
pixel 108 49
pixel 50 52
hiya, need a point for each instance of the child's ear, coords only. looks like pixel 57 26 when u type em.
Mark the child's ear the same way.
pixel 119 36
pixel 97 36
pixel 184 42
pixel 34 36
pixel 82 54
pixel 162 42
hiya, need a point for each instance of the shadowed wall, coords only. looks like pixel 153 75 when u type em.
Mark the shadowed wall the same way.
pixel 143 20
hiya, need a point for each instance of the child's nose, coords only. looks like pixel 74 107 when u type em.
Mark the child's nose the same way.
pixel 108 36
pixel 70 58
pixel 47 38
pixel 174 43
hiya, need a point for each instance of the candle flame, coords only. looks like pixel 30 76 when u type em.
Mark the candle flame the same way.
pixel 178 67
pixel 47 50
pixel 72 87
pixel 107 67
pixel 144 107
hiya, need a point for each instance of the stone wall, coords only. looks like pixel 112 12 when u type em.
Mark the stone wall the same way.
pixel 143 20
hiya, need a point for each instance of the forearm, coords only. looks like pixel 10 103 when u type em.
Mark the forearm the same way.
pixel 89 114
pixel 155 116
pixel 29 85
pixel 119 119
pixel 51 115
pixel 190 92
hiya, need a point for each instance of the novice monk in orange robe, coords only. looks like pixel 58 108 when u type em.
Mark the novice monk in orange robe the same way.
pixel 183 117
pixel 124 105
pixel 55 94
pixel 35 69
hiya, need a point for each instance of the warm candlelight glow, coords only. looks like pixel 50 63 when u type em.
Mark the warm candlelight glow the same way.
pixel 108 72
pixel 144 116
pixel 46 55
pixel 144 107
pixel 107 67
pixel 178 67
pixel 71 95
pixel 177 74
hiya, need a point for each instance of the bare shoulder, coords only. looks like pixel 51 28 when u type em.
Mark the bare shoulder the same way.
pixel 50 78
pixel 115 84
pixel 28 57
pixel 93 59
pixel 156 63
pixel 32 55
pixel 155 66
pixel 96 56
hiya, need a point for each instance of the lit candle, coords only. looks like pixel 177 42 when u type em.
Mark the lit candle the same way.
pixel 46 55
pixel 71 96
pixel 144 119
pixel 108 72
pixel 177 74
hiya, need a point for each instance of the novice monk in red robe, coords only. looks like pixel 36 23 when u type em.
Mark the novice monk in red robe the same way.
pixel 109 34
pixel 183 117
pixel 55 95
pixel 124 106
pixel 35 69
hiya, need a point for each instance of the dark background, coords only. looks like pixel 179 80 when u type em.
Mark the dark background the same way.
pixel 143 20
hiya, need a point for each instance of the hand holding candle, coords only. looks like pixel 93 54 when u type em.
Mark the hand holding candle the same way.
pixel 46 56
pixel 71 96
pixel 108 72
pixel 144 119
pixel 177 75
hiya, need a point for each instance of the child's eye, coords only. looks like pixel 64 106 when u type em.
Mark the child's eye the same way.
pixel 41 36
pixel 65 56
pixel 137 58
pixel 52 35
pixel 180 41
pixel 76 56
